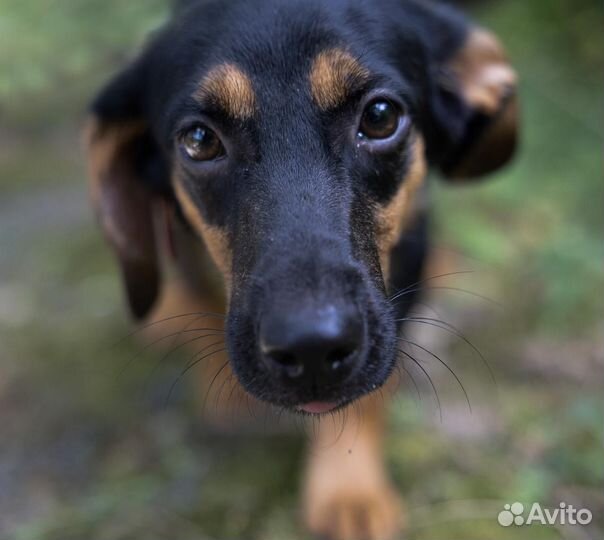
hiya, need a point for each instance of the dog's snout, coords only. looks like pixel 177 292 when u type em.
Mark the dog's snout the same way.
pixel 321 344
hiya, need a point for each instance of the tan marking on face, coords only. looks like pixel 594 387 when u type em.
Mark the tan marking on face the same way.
pixel 214 237
pixel 231 89
pixel 483 71
pixel 333 74
pixel 392 219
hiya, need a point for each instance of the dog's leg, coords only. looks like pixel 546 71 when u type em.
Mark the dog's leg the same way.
pixel 347 492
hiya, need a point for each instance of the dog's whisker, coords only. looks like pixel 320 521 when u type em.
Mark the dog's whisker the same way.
pixel 279 415
pixel 338 421
pixel 401 378
pixel 144 349
pixel 188 342
pixel 220 390
pixel 201 351
pixel 418 364
pixel 250 409
pixel 421 347
pixel 148 346
pixel 234 384
pixel 191 365
pixel 333 415
pixel 404 290
pixel 452 289
pixel 225 385
pixel 402 366
pixel 468 292
pixel 299 426
pixel 169 353
pixel 187 327
pixel 209 390
pixel 443 325
pixel 428 307
pixel 151 324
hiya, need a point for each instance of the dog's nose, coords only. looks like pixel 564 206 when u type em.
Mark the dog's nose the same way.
pixel 322 343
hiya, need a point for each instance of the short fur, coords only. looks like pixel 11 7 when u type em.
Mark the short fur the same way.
pixel 301 213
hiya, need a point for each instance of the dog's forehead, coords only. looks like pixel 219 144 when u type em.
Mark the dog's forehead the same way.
pixel 237 88
pixel 287 54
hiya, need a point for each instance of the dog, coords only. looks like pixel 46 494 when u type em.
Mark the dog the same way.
pixel 283 146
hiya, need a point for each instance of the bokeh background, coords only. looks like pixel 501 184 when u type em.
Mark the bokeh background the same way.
pixel 89 449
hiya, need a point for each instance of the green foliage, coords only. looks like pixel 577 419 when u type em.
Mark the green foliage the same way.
pixel 52 50
pixel 541 219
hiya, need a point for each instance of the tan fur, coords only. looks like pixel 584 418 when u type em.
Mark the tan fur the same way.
pixel 124 208
pixel 214 238
pixel 103 144
pixel 347 494
pixel 333 74
pixel 487 82
pixel 392 219
pixel 482 69
pixel 231 89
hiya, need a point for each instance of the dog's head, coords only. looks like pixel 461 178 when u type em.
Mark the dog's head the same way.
pixel 293 136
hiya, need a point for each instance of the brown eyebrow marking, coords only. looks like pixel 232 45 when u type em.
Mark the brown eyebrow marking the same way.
pixel 334 73
pixel 231 89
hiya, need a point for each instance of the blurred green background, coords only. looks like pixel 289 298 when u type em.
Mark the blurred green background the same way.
pixel 90 450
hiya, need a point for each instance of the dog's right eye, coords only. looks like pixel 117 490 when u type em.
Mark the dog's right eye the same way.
pixel 202 144
pixel 380 120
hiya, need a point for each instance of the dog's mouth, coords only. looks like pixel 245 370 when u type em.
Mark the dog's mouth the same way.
pixel 313 357
pixel 318 407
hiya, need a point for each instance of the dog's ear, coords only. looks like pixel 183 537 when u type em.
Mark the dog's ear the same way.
pixel 486 83
pixel 120 154
pixel 473 118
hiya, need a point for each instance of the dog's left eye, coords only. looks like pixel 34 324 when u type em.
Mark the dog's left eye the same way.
pixel 202 144
pixel 380 120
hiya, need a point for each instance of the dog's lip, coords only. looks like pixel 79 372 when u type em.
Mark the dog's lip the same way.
pixel 317 407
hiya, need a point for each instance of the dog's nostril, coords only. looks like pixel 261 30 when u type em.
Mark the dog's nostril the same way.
pixel 338 357
pixel 322 343
pixel 287 361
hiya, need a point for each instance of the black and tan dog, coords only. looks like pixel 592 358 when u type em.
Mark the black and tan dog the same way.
pixel 290 139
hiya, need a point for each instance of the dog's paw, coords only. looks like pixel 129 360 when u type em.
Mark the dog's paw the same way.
pixel 373 515
pixel 351 505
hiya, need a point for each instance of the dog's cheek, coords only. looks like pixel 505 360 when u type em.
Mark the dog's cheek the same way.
pixel 214 237
pixel 392 218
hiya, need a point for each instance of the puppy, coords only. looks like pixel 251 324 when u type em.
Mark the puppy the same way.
pixel 290 140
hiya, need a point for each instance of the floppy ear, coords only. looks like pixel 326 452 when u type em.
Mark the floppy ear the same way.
pixel 121 154
pixel 482 78
pixel 472 111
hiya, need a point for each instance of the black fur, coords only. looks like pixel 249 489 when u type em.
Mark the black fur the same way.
pixel 296 197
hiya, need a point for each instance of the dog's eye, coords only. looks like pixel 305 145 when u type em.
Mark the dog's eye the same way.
pixel 202 144
pixel 380 120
